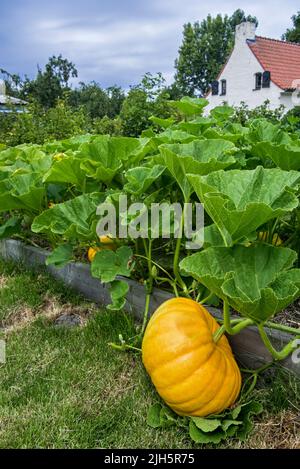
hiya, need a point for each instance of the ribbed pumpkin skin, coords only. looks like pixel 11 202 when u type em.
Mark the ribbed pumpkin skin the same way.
pixel 191 373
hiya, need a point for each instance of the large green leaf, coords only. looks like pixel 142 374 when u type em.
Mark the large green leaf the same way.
pixel 107 265
pixel 104 157
pixel 240 201
pixel 261 130
pixel 197 157
pixel 60 256
pixel 190 106
pixel 258 281
pixel 21 191
pixel 10 227
pixel 74 219
pixel 141 178
pixel 285 156
pixel 67 170
pixel 196 126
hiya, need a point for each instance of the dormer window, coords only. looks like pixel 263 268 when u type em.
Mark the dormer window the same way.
pixel 215 88
pixel 258 81
pixel 223 87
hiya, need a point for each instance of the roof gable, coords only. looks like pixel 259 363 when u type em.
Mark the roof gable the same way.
pixel 281 58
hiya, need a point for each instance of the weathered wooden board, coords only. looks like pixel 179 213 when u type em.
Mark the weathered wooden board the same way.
pixel 247 345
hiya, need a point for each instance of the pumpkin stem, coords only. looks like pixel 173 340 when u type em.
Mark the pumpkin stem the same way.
pixel 227 322
pixel 282 354
pixel 176 258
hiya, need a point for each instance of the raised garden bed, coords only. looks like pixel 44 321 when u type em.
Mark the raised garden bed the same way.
pixel 247 345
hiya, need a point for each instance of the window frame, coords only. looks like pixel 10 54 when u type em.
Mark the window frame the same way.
pixel 223 87
pixel 258 81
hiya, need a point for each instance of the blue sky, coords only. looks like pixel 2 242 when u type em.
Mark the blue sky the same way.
pixel 115 41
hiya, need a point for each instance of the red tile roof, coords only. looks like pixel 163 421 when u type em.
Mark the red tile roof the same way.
pixel 281 58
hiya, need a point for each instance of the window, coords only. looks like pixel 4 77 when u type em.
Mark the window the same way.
pixel 215 88
pixel 266 79
pixel 258 81
pixel 223 87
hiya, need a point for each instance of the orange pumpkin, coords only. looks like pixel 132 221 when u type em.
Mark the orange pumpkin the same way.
pixel 193 374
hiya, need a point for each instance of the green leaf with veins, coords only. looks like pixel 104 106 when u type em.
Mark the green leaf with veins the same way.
pixel 60 256
pixel 22 191
pixel 240 201
pixel 257 281
pixel 165 123
pixel 118 290
pixel 199 157
pixel 10 227
pixel 107 265
pixel 286 156
pixel 74 219
pixel 67 170
pixel 105 156
pixel 141 178
pixel 190 106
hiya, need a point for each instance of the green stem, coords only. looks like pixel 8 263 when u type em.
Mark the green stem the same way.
pixel 149 287
pixel 157 265
pixel 176 257
pixel 283 328
pixel 254 377
pixel 207 298
pixel 124 347
pixel 234 330
pixel 285 352
pixel 227 323
pixel 146 311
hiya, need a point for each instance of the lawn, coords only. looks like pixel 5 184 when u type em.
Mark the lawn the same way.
pixel 64 387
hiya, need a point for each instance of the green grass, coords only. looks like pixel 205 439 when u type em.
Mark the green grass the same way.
pixel 66 388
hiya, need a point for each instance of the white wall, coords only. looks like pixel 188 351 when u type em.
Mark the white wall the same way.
pixel 239 74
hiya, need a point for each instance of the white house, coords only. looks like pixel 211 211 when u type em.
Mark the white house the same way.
pixel 258 69
pixel 7 103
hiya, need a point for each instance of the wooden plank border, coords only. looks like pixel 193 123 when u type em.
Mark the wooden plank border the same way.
pixel 247 345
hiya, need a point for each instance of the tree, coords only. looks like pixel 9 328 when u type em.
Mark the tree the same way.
pixel 12 82
pixel 92 98
pixel 205 48
pixel 293 35
pixel 150 97
pixel 50 84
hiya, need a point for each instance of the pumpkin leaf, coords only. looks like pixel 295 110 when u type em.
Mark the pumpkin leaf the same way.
pixel 74 219
pixel 10 227
pixel 248 411
pixel 199 436
pixel 257 281
pixel 285 156
pixel 165 123
pixel 67 170
pixel 60 256
pixel 118 290
pixel 190 106
pixel 21 191
pixel 206 425
pixel 107 265
pixel 262 130
pixel 153 416
pixel 141 178
pixel 104 157
pixel 240 201
pixel 228 423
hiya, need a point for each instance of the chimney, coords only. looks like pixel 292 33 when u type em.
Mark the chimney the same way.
pixel 244 31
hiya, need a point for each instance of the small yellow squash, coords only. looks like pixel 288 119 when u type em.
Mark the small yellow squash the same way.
pixel 193 374
pixel 108 243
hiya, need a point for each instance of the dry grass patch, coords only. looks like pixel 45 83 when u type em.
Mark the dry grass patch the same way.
pixel 281 431
pixel 51 308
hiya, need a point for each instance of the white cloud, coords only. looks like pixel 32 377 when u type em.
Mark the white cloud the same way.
pixel 115 41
